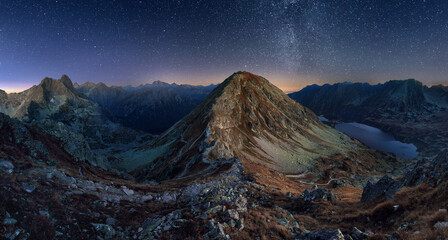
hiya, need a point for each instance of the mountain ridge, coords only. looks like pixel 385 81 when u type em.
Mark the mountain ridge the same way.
pixel 412 112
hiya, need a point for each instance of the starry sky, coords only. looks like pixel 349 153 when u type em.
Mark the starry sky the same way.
pixel 293 43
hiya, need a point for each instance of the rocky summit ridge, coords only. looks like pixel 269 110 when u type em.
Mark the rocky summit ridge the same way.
pixel 48 95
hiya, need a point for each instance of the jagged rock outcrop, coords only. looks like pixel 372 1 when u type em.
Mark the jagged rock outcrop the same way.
pixel 385 187
pixel 42 99
pixel 20 143
pixel 432 172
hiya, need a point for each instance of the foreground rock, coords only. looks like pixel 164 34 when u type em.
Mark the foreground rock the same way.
pixel 432 172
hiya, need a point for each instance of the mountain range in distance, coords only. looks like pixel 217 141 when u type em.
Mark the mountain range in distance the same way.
pixel 151 107
pixel 412 112
pixel 232 161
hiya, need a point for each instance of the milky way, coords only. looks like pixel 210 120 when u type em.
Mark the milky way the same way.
pixel 292 42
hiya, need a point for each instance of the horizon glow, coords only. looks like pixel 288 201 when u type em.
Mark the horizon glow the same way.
pixel 291 43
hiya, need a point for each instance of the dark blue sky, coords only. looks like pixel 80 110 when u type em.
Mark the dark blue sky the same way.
pixel 291 42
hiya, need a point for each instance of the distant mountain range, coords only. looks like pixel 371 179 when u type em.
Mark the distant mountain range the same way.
pixel 352 101
pixel 152 107
pixel 198 92
pixel 406 108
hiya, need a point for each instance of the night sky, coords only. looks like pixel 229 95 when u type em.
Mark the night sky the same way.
pixel 291 42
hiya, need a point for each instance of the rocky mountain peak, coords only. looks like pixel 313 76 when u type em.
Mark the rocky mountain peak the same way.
pixel 246 118
pixel 242 101
pixel 159 83
pixel 66 81
pixel 49 88
pixel 50 93
pixel 400 95
pixel 88 84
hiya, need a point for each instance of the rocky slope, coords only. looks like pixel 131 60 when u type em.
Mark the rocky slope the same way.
pixel 57 108
pixel 152 108
pixel 407 109
pixel 46 194
pixel 247 119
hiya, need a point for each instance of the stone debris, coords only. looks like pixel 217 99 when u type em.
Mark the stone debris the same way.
pixel 7 166
pixel 317 193
pixel 29 187
pixel 9 221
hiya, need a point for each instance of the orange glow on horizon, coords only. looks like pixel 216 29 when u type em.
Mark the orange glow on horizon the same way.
pixel 286 83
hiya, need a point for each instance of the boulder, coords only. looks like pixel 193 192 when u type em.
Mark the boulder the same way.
pixel 28 187
pixel 7 166
pixel 241 204
pixel 9 221
pixel 386 187
pixel 216 231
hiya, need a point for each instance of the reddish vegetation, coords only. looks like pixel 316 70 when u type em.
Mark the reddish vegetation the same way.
pixel 419 204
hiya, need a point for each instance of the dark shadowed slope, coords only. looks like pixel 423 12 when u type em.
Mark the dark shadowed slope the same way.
pixel 152 108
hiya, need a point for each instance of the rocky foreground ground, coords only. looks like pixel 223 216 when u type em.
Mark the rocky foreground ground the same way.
pixel 40 202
